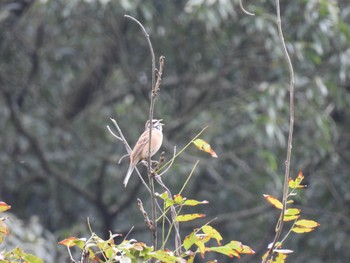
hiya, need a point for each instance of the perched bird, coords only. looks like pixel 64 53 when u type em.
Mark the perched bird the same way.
pixel 140 151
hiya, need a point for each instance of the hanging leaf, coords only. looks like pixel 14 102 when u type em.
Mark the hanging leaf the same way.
pixel 213 233
pixel 190 240
pixel 274 201
pixel 204 146
pixel 246 250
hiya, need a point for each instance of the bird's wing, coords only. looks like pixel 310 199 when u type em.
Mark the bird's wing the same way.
pixel 143 140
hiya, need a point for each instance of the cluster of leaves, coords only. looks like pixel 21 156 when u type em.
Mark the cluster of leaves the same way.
pixel 99 250
pixel 16 255
pixel 291 214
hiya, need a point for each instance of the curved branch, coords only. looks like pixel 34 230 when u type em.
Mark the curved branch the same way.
pixel 245 10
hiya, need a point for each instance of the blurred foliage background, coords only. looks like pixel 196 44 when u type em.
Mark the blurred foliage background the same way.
pixel 67 66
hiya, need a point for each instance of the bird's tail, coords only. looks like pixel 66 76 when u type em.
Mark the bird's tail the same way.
pixel 128 174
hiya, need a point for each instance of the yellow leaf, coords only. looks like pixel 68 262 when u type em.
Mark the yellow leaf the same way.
pixel 204 146
pixel 178 199
pixel 69 242
pixel 246 250
pixel 230 252
pixel 292 211
pixel 190 240
pixel 304 226
pixel 189 217
pixel 164 195
pixel 300 230
pixel 293 184
pixel 192 202
pixel 168 201
pixel 306 223
pixel 290 218
pixel 291 214
pixel 274 201
pixel 200 244
pixel 4 207
pixel 299 178
pixel 281 258
pixel 213 233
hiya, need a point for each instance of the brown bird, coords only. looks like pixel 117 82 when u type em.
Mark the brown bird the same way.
pixel 140 151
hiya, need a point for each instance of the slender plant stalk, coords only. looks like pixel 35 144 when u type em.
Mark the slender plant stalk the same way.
pixel 151 110
pixel 279 225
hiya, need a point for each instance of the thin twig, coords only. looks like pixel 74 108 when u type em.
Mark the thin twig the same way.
pixel 279 225
pixel 245 10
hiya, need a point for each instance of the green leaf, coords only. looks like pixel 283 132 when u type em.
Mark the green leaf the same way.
pixel 178 199
pixel 230 252
pixel 190 240
pixel 164 256
pixel 189 217
pixel 32 259
pixel 293 184
pixel 213 233
pixel 291 214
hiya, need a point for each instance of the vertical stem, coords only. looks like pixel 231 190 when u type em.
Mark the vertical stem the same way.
pixel 153 95
pixel 279 225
